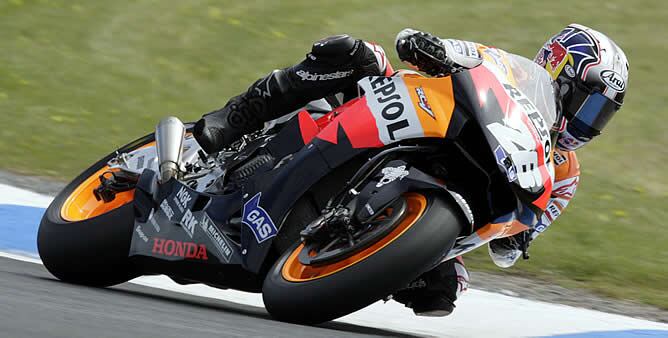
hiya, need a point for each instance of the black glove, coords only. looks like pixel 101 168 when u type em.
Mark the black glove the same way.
pixel 422 50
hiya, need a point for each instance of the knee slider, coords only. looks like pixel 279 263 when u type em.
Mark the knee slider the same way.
pixel 337 49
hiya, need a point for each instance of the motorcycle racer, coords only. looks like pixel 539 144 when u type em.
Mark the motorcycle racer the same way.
pixel 589 69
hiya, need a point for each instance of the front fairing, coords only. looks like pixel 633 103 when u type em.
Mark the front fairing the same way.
pixel 515 109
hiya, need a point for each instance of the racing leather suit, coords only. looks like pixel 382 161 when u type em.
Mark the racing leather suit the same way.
pixel 331 71
pixel 333 66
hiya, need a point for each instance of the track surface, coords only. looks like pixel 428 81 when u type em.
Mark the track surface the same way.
pixel 34 304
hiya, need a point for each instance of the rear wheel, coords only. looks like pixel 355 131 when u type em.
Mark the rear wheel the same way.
pixel 310 294
pixel 85 241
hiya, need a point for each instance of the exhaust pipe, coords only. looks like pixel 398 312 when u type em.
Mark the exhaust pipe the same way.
pixel 169 134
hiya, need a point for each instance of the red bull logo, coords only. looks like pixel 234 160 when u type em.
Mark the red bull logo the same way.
pixel 557 54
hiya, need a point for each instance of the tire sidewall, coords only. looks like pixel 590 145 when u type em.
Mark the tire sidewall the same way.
pixel 359 285
pixel 92 251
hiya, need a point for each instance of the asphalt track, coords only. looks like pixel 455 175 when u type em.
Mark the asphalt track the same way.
pixel 34 304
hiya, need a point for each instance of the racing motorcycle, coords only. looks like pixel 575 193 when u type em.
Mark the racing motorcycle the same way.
pixel 324 212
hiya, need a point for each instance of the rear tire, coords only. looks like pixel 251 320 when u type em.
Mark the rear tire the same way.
pixel 92 251
pixel 383 272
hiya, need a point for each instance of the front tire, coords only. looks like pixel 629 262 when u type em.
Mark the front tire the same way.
pixel 302 294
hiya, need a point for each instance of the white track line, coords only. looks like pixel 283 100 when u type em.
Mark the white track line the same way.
pixel 17 196
pixel 479 313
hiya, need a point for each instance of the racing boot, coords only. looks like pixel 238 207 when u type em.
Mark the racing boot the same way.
pixel 334 65
pixel 434 293
pixel 243 114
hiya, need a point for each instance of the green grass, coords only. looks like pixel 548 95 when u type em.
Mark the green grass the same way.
pixel 78 78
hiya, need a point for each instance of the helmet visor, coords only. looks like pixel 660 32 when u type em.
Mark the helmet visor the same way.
pixel 591 111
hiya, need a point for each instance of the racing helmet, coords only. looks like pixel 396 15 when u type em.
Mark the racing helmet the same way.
pixel 591 72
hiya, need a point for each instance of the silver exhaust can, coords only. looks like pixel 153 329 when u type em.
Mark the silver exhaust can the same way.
pixel 169 135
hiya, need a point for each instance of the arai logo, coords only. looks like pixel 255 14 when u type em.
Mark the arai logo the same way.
pixel 613 80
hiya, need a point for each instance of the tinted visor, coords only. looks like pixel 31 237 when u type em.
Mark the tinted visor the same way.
pixel 590 111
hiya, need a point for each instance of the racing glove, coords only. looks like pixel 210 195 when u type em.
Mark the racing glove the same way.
pixel 436 57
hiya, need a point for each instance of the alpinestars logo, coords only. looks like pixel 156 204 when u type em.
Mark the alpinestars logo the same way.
pixel 306 76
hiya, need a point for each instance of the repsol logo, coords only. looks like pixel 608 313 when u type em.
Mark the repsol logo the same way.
pixel 172 248
pixel 535 117
pixel 392 107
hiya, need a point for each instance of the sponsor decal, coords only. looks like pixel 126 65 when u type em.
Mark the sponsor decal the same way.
pixel 465 48
pixel 520 145
pixel 173 248
pixel 559 159
pixel 534 116
pixel 506 163
pixel 392 108
pixel 540 227
pixel 141 233
pixel 416 284
pixel 307 76
pixel 154 223
pixel 258 220
pixel 391 174
pixel 423 103
pixel 613 80
pixel 217 238
pixel 472 50
pixel 566 188
pixel 265 93
pixel 369 209
pixel 573 45
pixel 569 71
pixel 188 223
pixel 520 148
pixel 167 209
pixel 557 55
pixel 457 46
pixel 552 211
pixel 567 141
pixel 523 133
pixel 182 198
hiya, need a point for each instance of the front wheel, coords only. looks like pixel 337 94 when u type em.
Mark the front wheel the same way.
pixel 311 294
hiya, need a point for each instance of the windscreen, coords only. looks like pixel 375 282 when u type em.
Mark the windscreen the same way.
pixel 536 83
